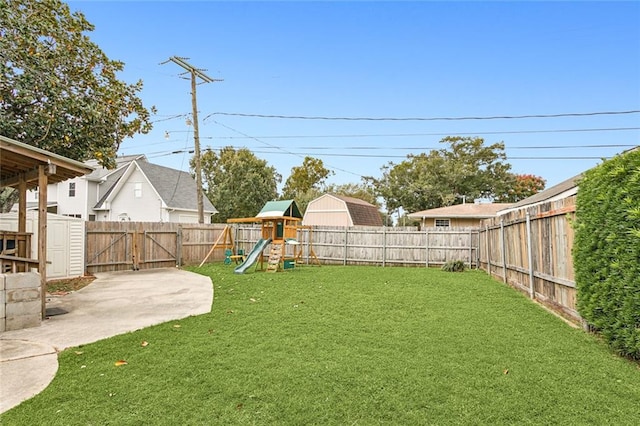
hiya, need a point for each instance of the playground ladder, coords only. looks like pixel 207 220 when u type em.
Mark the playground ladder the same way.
pixel 274 257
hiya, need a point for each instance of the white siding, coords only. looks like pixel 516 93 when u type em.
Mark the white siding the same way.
pixel 72 205
pixel 76 248
pixel 327 211
pixel 65 242
pixel 147 208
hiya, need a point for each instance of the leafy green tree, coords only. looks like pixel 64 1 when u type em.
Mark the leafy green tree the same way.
pixel 311 175
pixel 363 191
pixel 237 182
pixel 303 199
pixel 8 197
pixel 58 90
pixel 523 186
pixel 466 168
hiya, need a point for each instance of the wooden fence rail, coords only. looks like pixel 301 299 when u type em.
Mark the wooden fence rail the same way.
pixel 118 246
pixel 114 246
pixel 530 250
pixel 379 245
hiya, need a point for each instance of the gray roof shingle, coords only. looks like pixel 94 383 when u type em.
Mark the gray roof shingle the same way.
pixel 362 213
pixel 176 188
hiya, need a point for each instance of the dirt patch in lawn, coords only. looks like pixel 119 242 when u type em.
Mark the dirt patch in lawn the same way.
pixel 67 285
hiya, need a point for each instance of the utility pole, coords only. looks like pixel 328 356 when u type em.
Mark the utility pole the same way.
pixel 195 72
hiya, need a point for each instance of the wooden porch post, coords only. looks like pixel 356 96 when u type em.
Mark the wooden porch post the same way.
pixel 22 208
pixel 42 235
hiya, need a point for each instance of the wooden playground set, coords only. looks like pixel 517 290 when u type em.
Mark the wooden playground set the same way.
pixel 280 223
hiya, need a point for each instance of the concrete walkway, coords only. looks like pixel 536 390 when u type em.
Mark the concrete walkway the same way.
pixel 114 303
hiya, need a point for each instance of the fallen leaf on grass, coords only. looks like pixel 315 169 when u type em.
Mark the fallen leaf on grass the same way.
pixel 506 371
pixel 144 343
pixel 229 311
pixel 239 406
pixel 176 326
pixel 78 352
pixel 120 362
pixel 252 300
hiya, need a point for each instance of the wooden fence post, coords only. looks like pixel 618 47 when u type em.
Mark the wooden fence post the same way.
pixel 426 244
pixel 487 237
pixel 470 249
pixel 179 246
pixel 384 246
pixel 346 238
pixel 532 292
pixel 504 253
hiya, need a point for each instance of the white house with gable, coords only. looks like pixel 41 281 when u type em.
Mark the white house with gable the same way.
pixel 135 190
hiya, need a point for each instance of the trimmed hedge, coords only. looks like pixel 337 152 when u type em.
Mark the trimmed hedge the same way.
pixel 606 251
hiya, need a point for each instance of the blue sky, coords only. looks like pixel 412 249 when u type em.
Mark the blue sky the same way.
pixel 382 59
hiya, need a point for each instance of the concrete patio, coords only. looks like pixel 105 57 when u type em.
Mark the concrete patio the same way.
pixel 114 303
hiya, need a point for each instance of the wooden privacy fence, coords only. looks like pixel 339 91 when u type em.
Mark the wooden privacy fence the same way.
pixel 378 245
pixel 119 246
pixel 530 249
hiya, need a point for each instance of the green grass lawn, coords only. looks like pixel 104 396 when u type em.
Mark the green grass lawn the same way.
pixel 339 345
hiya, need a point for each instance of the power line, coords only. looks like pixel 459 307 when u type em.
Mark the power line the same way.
pixel 281 149
pixel 171 117
pixel 395 135
pixel 166 153
pixel 430 148
pixel 497 117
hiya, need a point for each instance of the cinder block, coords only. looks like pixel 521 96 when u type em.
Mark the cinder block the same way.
pixel 22 280
pixel 22 295
pixel 2 282
pixel 2 327
pixel 3 309
pixel 23 308
pixel 22 321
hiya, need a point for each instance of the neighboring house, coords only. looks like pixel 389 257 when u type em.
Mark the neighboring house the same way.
pixel 458 216
pixel 562 190
pixel 135 190
pixel 338 210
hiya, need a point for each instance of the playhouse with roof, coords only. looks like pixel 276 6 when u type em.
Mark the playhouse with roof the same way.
pixel 280 221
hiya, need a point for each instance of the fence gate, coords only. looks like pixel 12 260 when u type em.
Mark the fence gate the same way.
pixel 158 248
pixel 108 251
pixel 121 246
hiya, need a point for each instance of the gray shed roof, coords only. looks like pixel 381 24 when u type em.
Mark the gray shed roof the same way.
pixel 362 213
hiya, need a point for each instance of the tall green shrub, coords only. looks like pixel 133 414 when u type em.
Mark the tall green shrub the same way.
pixel 606 251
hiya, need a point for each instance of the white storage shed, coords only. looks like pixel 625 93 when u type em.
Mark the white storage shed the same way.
pixel 65 242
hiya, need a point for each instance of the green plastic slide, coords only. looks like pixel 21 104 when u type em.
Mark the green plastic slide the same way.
pixel 253 255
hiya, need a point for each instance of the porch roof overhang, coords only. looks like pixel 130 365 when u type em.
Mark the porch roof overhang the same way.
pixel 20 161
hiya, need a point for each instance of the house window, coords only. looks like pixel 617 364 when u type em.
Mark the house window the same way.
pixel 442 223
pixel 72 189
pixel 137 190
pixel 92 218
